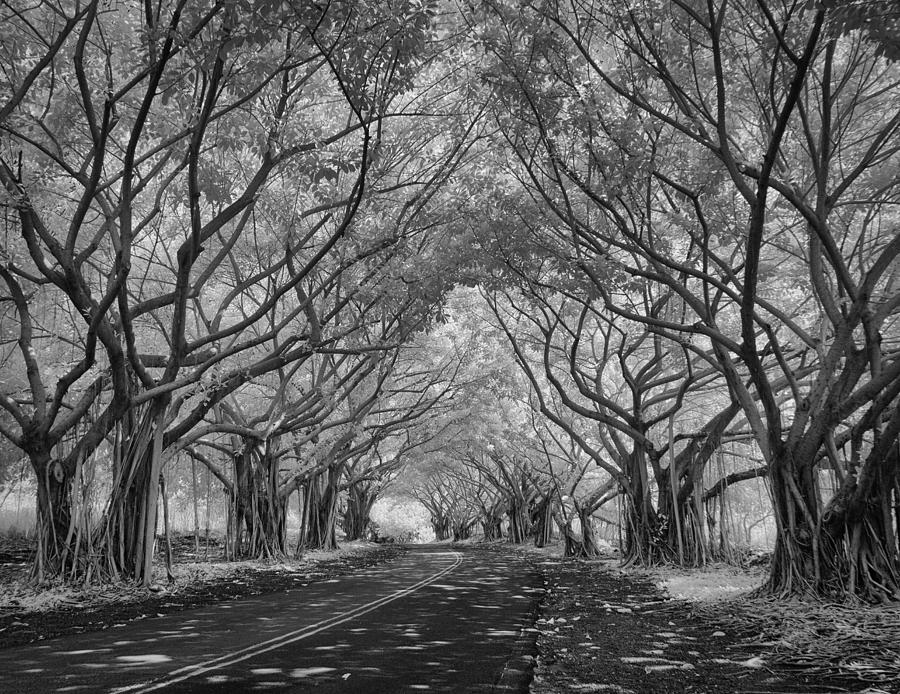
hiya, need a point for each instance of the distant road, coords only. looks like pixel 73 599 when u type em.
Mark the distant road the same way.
pixel 435 620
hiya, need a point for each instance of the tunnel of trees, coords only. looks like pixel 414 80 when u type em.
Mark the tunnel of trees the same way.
pixel 586 269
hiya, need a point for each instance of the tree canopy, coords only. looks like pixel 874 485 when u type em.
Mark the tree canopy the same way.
pixel 521 261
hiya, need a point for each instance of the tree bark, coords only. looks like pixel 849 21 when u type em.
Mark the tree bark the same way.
pixel 320 510
pixel 440 525
pixel 356 522
pixel 851 548
pixel 259 512
pixel 542 521
pixel 518 522
pixel 462 529
pixel 129 527
pixel 53 516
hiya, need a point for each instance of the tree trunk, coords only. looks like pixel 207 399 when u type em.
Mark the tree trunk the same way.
pixel 440 524
pixel 320 510
pixel 681 535
pixel 196 509
pixel 244 524
pixel 164 493
pixel 581 545
pixel 129 527
pixel 795 565
pixel 260 516
pixel 542 521
pixel 356 521
pixel 852 550
pixel 518 521
pixel 54 516
pixel 588 538
pixel 462 529
pixel 492 526
pixel 682 538
pixel 643 535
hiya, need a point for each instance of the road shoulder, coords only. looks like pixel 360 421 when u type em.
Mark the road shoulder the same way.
pixel 19 628
pixel 606 630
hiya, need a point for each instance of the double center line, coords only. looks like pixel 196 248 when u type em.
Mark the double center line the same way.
pixel 248 652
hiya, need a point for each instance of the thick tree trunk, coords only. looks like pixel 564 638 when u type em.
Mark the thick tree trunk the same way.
pixel 583 544
pixel 682 530
pixel 320 511
pixel 260 516
pixel 54 555
pixel 518 522
pixel 195 508
pixel 682 538
pixel 356 522
pixel 572 543
pixel 852 550
pixel 129 531
pixel 440 525
pixel 164 493
pixel 643 535
pixel 492 526
pixel 243 500
pixel 462 529
pixel 541 517
pixel 588 538
pixel 795 567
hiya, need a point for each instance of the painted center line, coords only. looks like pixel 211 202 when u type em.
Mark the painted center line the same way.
pixel 190 671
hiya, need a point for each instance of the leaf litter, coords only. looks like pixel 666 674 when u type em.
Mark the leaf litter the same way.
pixel 633 636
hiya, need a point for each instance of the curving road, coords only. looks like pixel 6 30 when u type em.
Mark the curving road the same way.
pixel 435 620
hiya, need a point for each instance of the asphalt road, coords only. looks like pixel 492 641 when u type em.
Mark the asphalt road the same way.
pixel 434 620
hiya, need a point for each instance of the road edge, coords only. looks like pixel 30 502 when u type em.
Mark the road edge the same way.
pixel 518 672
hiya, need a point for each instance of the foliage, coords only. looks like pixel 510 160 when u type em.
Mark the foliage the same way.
pixel 516 260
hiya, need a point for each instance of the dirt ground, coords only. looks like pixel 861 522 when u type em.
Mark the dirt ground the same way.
pixel 602 630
